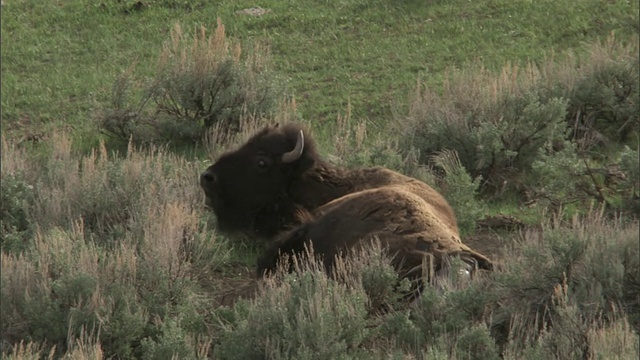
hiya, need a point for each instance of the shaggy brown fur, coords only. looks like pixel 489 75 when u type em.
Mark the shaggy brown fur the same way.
pixel 254 191
pixel 406 225
pixel 344 182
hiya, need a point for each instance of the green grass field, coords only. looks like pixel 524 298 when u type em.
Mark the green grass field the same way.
pixel 110 254
pixel 60 59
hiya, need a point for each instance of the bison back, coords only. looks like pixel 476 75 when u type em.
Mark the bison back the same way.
pixel 410 228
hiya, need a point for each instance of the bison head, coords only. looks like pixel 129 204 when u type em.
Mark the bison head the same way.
pixel 247 188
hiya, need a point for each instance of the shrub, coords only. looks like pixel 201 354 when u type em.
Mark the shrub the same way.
pixel 16 194
pixel 448 313
pixel 604 105
pixel 580 287
pixel 578 282
pixel 66 284
pixel 573 337
pixel 172 342
pixel 476 343
pixel 50 291
pixel 304 315
pixel 447 321
pixel 502 124
pixel 121 248
pixel 199 82
pixel 106 191
pixel 460 190
pixel 496 135
pixel 369 267
pixel 16 227
pixel 308 314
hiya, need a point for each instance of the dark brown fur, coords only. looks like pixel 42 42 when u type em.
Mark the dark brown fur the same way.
pixel 263 202
pixel 253 191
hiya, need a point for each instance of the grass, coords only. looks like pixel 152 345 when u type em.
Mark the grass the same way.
pixel 111 255
pixel 59 60
pixel 123 263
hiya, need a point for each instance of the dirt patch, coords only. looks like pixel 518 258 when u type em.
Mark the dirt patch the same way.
pixel 235 281
pixel 487 242
pixel 494 242
pixel 254 11
pixel 493 234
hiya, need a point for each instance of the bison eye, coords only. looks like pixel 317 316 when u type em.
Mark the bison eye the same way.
pixel 262 163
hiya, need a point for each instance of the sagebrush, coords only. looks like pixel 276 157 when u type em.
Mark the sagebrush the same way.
pixel 200 81
pixel 519 128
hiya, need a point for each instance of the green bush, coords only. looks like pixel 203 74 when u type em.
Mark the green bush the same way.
pixel 501 124
pixel 569 176
pixel 604 106
pixel 558 176
pixel 460 190
pixel 305 315
pixel 17 228
pixel 579 278
pixel 200 82
pixel 497 135
pixel 476 343
pixel 457 308
pixel 171 343
pixel 121 248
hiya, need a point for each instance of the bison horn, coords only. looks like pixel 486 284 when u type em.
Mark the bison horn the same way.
pixel 294 154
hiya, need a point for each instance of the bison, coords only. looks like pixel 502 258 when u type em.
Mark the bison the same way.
pixel 277 187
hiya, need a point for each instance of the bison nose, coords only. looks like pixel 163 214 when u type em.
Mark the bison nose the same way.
pixel 207 178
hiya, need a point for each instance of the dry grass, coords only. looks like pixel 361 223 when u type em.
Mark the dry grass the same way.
pixel 100 189
pixel 203 53
pixel 109 231
pixel 86 347
pixel 203 79
pixel 475 89
pixel 499 122
pixel 220 139
pixel 577 289
pixel 26 351
pixel 614 341
pixel 122 240
pixel 14 158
